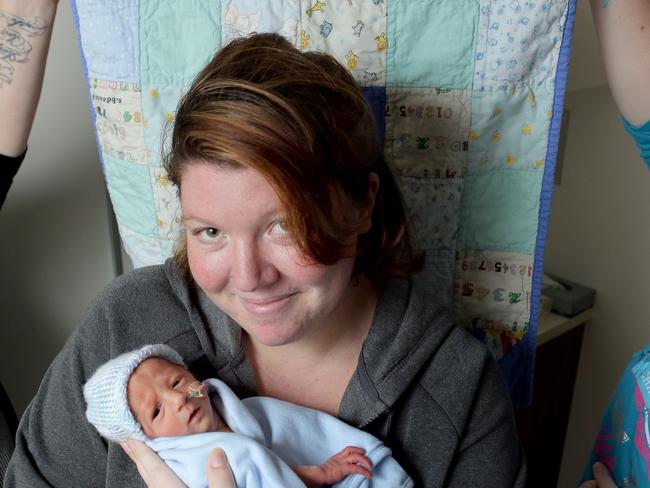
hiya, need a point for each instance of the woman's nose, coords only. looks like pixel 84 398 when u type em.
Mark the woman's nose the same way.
pixel 250 268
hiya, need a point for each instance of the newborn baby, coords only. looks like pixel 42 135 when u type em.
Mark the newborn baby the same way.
pixel 149 395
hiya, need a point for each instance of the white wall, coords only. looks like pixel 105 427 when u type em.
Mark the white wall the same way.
pixel 586 67
pixel 599 235
pixel 54 244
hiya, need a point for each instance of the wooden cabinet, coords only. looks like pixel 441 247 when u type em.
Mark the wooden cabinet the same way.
pixel 542 426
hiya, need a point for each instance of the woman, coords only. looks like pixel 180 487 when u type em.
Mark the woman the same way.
pixel 295 279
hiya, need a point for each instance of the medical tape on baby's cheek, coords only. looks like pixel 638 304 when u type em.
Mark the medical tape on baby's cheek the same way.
pixel 196 389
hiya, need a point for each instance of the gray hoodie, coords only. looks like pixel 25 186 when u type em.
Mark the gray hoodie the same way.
pixel 428 389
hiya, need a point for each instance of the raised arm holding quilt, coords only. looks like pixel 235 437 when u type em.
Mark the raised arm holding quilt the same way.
pixel 25 31
pixel 623 28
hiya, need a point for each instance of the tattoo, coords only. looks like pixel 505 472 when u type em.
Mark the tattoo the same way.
pixel 605 3
pixel 14 44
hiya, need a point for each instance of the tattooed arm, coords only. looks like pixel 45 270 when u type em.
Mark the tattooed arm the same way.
pixel 623 28
pixel 25 30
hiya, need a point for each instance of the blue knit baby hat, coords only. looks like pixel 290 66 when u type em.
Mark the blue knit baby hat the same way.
pixel 106 396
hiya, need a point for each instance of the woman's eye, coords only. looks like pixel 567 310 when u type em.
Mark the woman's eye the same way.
pixel 176 382
pixel 280 228
pixel 207 234
pixel 210 233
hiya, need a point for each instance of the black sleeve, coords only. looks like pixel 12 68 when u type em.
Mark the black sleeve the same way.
pixel 8 169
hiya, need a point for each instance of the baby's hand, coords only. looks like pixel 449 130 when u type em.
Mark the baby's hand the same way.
pixel 349 461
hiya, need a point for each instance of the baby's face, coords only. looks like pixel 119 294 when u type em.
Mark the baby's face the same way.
pixel 158 398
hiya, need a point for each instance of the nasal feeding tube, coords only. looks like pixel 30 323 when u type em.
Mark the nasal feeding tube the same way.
pixel 195 390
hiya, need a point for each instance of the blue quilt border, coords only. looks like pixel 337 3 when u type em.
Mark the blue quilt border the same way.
pixel 518 364
pixel 84 64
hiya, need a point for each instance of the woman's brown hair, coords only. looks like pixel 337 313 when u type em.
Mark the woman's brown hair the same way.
pixel 301 121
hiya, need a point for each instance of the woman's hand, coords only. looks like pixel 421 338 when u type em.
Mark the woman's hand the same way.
pixel 154 471
pixel 602 478
pixel 156 474
pixel 219 473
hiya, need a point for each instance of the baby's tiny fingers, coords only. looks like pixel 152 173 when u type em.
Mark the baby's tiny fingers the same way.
pixel 352 449
pixel 359 469
pixel 359 459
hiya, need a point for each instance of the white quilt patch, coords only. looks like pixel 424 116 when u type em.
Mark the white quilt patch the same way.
pixel 426 131
pixel 168 212
pixel 118 119
pixel 143 250
pixel 243 17
pixel 493 293
pixel 353 32
pixel 518 42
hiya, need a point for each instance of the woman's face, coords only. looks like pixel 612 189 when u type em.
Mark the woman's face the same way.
pixel 243 258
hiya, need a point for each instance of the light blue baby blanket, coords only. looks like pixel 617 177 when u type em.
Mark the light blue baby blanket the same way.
pixel 270 435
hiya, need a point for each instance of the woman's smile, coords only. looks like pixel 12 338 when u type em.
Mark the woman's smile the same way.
pixel 267 305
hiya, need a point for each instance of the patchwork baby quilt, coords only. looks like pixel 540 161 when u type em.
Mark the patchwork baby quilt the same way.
pixel 467 94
